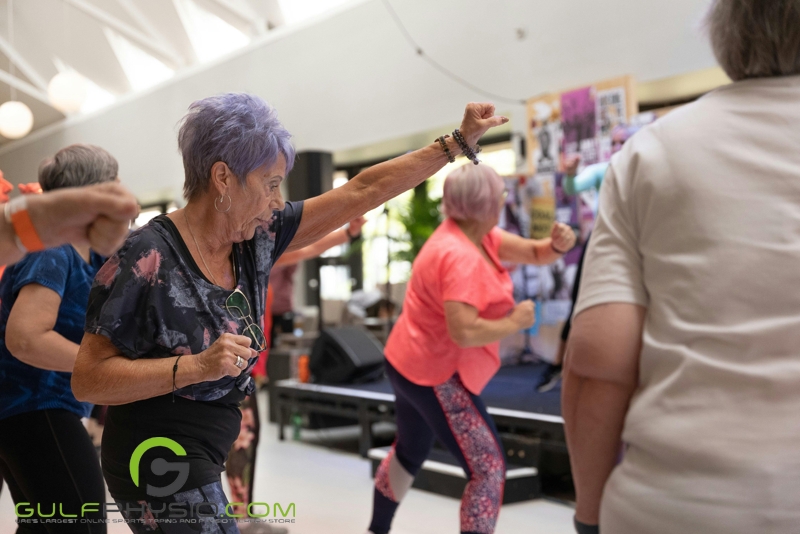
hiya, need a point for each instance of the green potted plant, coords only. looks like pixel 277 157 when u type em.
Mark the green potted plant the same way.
pixel 420 218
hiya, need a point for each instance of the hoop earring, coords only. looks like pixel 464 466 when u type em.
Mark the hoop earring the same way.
pixel 221 199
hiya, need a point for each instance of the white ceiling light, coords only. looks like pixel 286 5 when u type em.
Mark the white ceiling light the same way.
pixel 96 96
pixel 67 91
pixel 16 119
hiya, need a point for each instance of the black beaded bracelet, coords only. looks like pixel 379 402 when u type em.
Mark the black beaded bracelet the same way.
pixel 174 373
pixel 465 148
pixel 443 142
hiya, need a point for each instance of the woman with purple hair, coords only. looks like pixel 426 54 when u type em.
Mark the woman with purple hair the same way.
pixel 445 346
pixel 173 324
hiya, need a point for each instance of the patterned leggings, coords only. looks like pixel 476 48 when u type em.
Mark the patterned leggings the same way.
pixel 458 419
pixel 241 463
pixel 157 517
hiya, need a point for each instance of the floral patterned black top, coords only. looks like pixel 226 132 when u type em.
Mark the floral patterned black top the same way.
pixel 152 301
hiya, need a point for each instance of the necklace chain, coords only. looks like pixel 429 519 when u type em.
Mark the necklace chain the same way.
pixel 186 218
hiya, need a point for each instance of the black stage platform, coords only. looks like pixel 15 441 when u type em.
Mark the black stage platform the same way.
pixel 511 398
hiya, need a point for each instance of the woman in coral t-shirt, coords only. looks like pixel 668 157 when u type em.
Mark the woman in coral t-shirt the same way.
pixel 444 348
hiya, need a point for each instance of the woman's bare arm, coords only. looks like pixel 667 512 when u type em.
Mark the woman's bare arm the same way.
pixel 98 215
pixel 516 249
pixel 333 239
pixel 30 337
pixel 103 375
pixel 376 185
pixel 468 329
pixel 339 237
pixel 600 376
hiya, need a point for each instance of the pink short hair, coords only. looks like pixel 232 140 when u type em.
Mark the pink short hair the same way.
pixel 472 192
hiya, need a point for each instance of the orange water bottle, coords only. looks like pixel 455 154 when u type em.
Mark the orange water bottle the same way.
pixel 303 372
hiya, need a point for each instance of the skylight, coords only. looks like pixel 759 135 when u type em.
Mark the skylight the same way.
pixel 210 36
pixel 141 69
pixel 299 10
pixel 96 98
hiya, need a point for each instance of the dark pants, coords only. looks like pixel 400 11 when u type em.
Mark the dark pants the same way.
pixel 241 464
pixel 47 459
pixel 575 287
pixel 459 420
pixel 156 516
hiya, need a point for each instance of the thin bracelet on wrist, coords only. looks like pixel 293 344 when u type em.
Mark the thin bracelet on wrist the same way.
pixel 174 374
pixel 470 153
pixel 556 250
pixel 442 140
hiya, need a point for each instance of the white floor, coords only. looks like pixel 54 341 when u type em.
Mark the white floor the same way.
pixel 333 493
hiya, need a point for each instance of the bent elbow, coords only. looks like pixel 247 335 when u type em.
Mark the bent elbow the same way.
pixel 79 389
pixel 18 344
pixel 83 384
pixel 461 338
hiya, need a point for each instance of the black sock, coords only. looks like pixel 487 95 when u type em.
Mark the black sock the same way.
pixel 382 514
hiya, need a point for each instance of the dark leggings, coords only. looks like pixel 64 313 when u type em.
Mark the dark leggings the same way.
pixel 458 419
pixel 187 512
pixel 241 464
pixel 47 459
pixel 575 287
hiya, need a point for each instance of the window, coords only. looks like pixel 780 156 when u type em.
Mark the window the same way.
pixel 141 69
pixel 150 212
pixel 377 248
pixel 336 283
pixel 210 36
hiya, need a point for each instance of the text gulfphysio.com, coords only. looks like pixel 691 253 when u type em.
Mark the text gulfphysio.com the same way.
pixel 155 511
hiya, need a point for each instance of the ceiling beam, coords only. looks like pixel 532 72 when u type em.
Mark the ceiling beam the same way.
pixel 22 64
pixel 247 14
pixel 144 22
pixel 24 87
pixel 141 39
pixel 274 13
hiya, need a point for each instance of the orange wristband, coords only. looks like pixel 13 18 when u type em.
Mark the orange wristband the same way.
pixel 27 236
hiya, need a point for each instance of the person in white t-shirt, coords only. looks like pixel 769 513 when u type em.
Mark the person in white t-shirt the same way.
pixel 686 339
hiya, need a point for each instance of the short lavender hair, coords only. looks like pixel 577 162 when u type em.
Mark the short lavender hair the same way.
pixel 472 192
pixel 238 129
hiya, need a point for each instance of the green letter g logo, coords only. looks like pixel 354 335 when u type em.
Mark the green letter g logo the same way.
pixel 160 466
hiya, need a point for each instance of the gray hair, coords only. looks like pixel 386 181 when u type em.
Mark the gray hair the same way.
pixel 76 166
pixel 756 38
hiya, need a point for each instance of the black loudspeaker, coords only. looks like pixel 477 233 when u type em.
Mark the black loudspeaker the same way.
pixel 346 355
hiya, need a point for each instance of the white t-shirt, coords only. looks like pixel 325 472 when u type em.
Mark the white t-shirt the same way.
pixel 700 224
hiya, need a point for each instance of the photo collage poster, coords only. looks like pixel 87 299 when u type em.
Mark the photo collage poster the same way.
pixel 578 121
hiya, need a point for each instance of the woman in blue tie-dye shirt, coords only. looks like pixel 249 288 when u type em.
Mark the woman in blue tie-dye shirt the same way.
pixel 46 455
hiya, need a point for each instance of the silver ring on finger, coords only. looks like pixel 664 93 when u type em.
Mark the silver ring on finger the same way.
pixel 240 362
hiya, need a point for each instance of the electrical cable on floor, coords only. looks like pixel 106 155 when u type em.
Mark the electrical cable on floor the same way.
pixel 441 68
